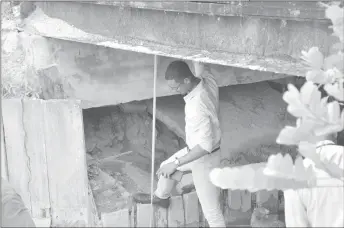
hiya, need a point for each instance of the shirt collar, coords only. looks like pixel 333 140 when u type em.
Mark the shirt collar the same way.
pixel 324 143
pixel 195 91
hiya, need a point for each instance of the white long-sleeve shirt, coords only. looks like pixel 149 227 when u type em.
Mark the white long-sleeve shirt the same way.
pixel 317 207
pixel 201 114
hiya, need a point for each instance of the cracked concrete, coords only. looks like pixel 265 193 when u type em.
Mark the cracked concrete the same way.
pixel 28 163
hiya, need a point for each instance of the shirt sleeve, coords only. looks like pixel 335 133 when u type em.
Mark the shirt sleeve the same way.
pixel 204 130
pixel 295 211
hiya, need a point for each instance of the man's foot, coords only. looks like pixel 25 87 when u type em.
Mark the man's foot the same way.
pixel 144 198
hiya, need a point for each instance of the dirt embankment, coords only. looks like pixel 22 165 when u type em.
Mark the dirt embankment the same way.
pixel 119 145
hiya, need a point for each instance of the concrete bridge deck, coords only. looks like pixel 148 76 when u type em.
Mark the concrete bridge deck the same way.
pixel 246 34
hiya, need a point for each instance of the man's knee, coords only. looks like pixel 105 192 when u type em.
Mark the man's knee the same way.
pixel 163 163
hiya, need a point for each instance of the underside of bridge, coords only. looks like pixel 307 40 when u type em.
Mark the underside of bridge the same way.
pixel 103 54
pixel 98 52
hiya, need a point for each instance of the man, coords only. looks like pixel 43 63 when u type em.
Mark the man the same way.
pixel 322 206
pixel 14 212
pixel 203 136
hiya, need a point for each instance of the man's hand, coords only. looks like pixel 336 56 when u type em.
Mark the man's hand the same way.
pixel 199 68
pixel 167 170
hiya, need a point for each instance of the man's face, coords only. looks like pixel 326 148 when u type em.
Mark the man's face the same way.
pixel 182 88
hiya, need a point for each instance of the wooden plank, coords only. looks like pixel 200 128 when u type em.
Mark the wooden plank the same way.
pixel 4 168
pixel 66 159
pixel 143 215
pixel 246 201
pixel 225 205
pixel 33 120
pixel 160 217
pixel 176 212
pixel 190 201
pixel 239 208
pixel 17 158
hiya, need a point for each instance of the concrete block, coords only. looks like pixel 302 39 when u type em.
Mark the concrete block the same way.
pixel 42 222
pixel 116 219
pixel 246 201
pixel 234 199
pixel 191 208
pixel 239 203
pixel 176 212
pixel 143 215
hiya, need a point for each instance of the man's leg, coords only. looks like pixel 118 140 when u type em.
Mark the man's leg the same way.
pixel 208 194
pixel 165 185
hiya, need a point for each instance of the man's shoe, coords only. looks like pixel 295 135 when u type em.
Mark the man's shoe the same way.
pixel 144 198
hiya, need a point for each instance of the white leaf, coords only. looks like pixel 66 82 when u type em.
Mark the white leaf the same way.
pixel 295 105
pixel 333 75
pixel 321 109
pixel 291 95
pixel 334 61
pixel 255 179
pixel 336 90
pixel 313 57
pixel 286 136
pixel 334 12
pixel 333 111
pixel 307 91
pixel 317 76
pixel 299 169
pixel 328 129
pixel 308 150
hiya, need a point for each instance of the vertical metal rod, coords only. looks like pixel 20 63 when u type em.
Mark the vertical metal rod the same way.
pixel 153 138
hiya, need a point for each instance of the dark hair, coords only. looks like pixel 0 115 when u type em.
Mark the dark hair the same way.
pixel 178 70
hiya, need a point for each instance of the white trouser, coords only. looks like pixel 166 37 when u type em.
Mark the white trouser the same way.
pixel 208 194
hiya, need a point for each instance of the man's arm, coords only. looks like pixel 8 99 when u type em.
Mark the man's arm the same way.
pixel 295 212
pixel 199 68
pixel 205 145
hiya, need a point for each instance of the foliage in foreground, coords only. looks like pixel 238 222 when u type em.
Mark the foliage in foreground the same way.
pixel 316 116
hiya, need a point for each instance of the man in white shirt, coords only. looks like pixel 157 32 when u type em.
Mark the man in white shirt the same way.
pixel 321 206
pixel 203 138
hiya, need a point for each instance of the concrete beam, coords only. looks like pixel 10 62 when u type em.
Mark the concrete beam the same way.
pixel 101 76
pixel 300 11
pixel 255 43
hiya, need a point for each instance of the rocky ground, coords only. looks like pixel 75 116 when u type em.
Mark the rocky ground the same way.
pixel 119 153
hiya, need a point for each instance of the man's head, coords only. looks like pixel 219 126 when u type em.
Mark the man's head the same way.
pixel 179 77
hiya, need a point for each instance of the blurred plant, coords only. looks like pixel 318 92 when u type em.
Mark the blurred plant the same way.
pixel 316 117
